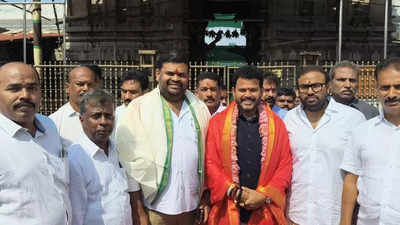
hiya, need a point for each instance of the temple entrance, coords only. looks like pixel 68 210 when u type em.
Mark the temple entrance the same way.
pixel 226 41
pixel 225 32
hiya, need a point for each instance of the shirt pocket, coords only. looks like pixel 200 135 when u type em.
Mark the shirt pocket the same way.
pixel 393 202
pixel 59 169
pixel 370 186
pixel 5 179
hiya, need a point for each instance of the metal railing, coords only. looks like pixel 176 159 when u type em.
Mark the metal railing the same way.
pixel 54 77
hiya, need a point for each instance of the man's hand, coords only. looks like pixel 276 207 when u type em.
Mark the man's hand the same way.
pixel 204 210
pixel 139 214
pixel 251 199
pixel 204 207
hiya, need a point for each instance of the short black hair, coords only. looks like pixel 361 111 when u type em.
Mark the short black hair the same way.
pixel 95 97
pixel 249 73
pixel 271 77
pixel 136 75
pixel 208 75
pixel 307 69
pixel 286 92
pixel 392 62
pixel 171 57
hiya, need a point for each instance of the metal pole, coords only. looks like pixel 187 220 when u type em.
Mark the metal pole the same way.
pixel 339 58
pixel 24 42
pixel 37 33
pixel 386 29
pixel 65 33
pixel 4 2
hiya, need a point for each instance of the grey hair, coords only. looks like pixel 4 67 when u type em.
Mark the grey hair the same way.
pixel 346 64
pixel 95 97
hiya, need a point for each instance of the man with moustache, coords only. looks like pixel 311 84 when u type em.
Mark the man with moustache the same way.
pixel 344 84
pixel 372 163
pixel 208 90
pixel 134 84
pixel 160 140
pixel 80 80
pixel 285 98
pixel 270 90
pixel 248 160
pixel 33 166
pixel 98 186
pixel 319 132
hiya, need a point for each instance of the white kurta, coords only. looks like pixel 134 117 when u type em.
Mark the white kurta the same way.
pixel 33 175
pixel 68 125
pixel 317 181
pixel 375 157
pixel 98 187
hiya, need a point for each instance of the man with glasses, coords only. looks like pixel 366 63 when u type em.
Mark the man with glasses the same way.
pixel 318 133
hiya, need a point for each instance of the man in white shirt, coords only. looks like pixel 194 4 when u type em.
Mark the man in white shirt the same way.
pixel 209 91
pixel 33 167
pixel 372 163
pixel 134 84
pixel 98 186
pixel 160 140
pixel 80 80
pixel 318 133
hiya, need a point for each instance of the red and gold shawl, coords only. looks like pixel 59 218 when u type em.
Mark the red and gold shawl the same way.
pixel 222 168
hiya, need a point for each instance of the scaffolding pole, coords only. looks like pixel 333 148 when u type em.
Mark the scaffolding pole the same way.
pixel 37 5
pixel 24 42
pixel 339 56
pixel 37 33
pixel 385 37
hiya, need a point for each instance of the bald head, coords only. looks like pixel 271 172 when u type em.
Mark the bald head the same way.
pixel 19 93
pixel 13 66
pixel 81 80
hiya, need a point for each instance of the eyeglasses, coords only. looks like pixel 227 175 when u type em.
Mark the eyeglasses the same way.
pixel 316 87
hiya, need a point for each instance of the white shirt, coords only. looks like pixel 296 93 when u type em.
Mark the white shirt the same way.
pixel 118 111
pixel 99 188
pixel 374 157
pixel 317 181
pixel 220 109
pixel 33 175
pixel 181 193
pixel 68 124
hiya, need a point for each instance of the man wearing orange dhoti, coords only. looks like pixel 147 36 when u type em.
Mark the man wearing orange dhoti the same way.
pixel 248 159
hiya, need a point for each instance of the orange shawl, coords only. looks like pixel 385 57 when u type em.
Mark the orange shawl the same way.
pixel 274 179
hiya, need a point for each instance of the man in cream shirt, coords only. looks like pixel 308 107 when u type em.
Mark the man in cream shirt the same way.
pixel 33 167
pixel 160 140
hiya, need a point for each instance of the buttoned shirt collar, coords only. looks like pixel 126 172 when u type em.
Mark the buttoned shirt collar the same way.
pixel 11 128
pixel 382 119
pixel 70 111
pixel 92 148
pixel 331 109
